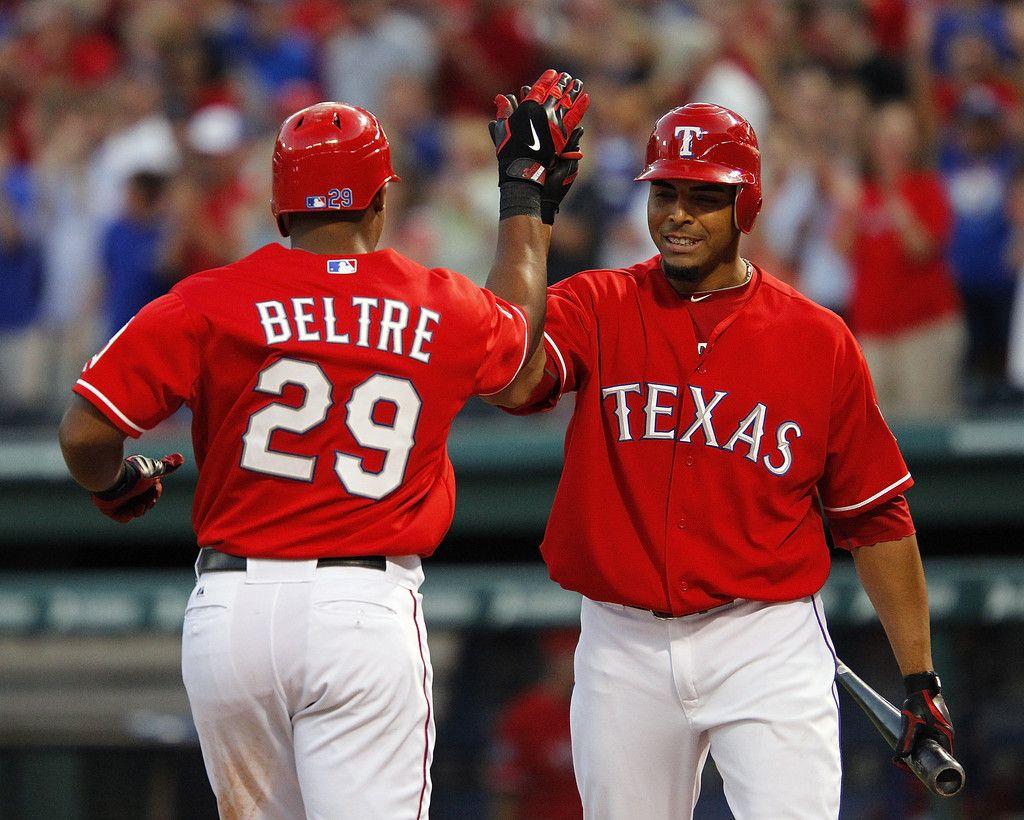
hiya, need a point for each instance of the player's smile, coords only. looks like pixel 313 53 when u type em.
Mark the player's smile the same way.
pixel 682 244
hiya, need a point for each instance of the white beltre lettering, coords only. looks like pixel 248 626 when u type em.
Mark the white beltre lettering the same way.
pixel 661 406
pixel 384 324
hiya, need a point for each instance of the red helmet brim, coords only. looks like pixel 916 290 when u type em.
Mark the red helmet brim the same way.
pixel 699 170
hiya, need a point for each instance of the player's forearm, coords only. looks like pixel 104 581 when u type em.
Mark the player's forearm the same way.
pixel 522 387
pixel 520 271
pixel 893 578
pixel 93 448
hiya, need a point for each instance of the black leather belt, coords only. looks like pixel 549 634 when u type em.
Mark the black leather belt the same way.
pixel 211 560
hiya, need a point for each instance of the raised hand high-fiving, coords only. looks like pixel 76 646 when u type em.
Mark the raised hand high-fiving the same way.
pixel 531 136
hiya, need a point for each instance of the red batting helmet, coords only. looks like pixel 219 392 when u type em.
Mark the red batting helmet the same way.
pixel 330 156
pixel 709 143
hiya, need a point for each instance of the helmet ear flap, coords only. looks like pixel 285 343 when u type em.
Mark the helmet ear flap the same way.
pixel 746 207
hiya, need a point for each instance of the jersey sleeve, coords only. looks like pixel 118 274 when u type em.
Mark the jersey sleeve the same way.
pixel 568 343
pixel 863 463
pixel 889 521
pixel 505 339
pixel 147 369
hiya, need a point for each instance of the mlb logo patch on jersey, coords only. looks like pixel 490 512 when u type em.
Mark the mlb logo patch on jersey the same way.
pixel 341 265
pixel 316 202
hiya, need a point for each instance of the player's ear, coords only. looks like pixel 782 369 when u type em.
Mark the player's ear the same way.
pixel 377 203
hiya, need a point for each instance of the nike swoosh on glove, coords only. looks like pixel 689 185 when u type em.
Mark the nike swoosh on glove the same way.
pixel 530 135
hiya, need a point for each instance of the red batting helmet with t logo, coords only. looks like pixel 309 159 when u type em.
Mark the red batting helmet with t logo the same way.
pixel 709 143
pixel 330 156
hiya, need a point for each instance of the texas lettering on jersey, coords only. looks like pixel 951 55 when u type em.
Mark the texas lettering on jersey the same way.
pixel 320 403
pixel 660 400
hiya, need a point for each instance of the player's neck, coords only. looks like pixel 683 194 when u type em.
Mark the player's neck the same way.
pixel 727 274
pixel 338 238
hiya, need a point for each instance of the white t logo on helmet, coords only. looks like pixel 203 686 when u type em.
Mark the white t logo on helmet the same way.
pixel 688 132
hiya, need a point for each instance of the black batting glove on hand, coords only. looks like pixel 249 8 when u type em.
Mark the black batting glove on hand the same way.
pixel 529 135
pixel 138 487
pixel 924 716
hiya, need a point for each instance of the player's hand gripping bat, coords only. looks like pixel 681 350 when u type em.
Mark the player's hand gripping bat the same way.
pixel 932 764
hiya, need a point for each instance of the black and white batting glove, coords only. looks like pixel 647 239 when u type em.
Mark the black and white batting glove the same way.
pixel 137 488
pixel 529 135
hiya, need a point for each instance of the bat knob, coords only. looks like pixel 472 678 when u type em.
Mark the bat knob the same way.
pixel 937 769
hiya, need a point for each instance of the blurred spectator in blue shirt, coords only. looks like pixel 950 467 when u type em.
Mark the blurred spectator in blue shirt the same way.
pixel 20 279
pixel 19 252
pixel 133 251
pixel 978 164
pixel 971 17
pixel 274 52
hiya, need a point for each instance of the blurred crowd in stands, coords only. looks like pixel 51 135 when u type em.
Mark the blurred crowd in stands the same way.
pixel 135 143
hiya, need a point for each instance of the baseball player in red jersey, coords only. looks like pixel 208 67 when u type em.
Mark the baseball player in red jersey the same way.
pixel 717 413
pixel 322 381
pixel 531 771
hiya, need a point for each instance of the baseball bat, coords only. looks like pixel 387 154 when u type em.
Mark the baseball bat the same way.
pixel 933 765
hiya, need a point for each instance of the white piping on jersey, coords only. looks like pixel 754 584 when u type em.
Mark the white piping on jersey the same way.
pixel 879 494
pixel 526 347
pixel 111 405
pixel 561 361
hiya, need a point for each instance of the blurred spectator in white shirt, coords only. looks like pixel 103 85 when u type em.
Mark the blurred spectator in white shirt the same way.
pixel 376 44
pixel 140 139
pixel 70 244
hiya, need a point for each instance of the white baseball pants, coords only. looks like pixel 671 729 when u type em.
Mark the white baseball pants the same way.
pixel 310 688
pixel 753 683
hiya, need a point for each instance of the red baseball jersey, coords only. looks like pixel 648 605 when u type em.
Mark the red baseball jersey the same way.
pixel 694 466
pixel 322 389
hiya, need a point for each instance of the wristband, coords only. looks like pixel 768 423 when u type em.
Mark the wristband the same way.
pixel 922 682
pixel 128 475
pixel 519 199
